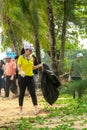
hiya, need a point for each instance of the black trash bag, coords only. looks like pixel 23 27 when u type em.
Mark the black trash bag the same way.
pixel 46 67
pixel 52 77
pixel 49 85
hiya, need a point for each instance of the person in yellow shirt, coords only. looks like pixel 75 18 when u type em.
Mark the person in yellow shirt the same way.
pixel 26 79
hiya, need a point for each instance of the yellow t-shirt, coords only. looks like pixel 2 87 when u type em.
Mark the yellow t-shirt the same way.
pixel 26 65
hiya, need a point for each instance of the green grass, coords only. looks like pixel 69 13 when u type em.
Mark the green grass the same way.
pixel 62 117
pixel 65 114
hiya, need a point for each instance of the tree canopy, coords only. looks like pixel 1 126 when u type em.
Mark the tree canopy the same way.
pixel 19 19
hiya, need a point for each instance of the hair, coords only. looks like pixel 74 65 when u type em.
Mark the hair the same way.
pixel 22 51
pixel 2 62
pixel 16 57
pixel 35 59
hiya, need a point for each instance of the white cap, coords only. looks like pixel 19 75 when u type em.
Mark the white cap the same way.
pixel 28 46
pixel 7 56
pixel 79 55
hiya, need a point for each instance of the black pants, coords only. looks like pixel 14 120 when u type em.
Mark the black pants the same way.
pixel 27 81
pixel 10 85
pixel 79 90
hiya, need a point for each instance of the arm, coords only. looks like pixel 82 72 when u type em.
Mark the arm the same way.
pixel 22 73
pixel 14 68
pixel 38 66
pixel 19 67
pixel 19 63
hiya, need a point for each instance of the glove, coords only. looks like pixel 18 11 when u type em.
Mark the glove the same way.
pixel 2 76
pixel 12 77
pixel 41 65
pixel 22 73
pixel 69 79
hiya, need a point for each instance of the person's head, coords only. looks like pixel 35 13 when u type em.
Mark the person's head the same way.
pixel 28 49
pixel 8 58
pixel 79 56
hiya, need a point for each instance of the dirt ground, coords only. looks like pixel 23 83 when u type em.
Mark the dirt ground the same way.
pixel 9 109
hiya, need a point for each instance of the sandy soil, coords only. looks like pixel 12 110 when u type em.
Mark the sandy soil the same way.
pixel 9 112
pixel 9 109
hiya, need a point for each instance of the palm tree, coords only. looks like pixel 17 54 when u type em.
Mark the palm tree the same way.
pixel 14 25
pixel 30 13
pixel 52 36
pixel 63 37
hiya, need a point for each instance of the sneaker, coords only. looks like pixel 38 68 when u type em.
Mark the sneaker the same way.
pixel 36 112
pixel 20 113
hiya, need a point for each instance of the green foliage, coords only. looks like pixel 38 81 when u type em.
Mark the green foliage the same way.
pixel 84 66
pixel 23 27
pixel 40 120
pixel 72 86
pixel 26 15
pixel 24 125
pixel 77 14
pixel 65 114
pixel 30 12
pixel 47 59
pixel 70 55
pixel 63 127
pixel 16 23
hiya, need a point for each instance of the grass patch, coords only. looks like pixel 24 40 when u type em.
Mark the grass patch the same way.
pixel 65 114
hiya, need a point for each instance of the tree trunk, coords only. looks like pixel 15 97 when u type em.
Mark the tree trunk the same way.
pixel 15 47
pixel 37 45
pixel 63 37
pixel 12 37
pixel 52 36
pixel 37 50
